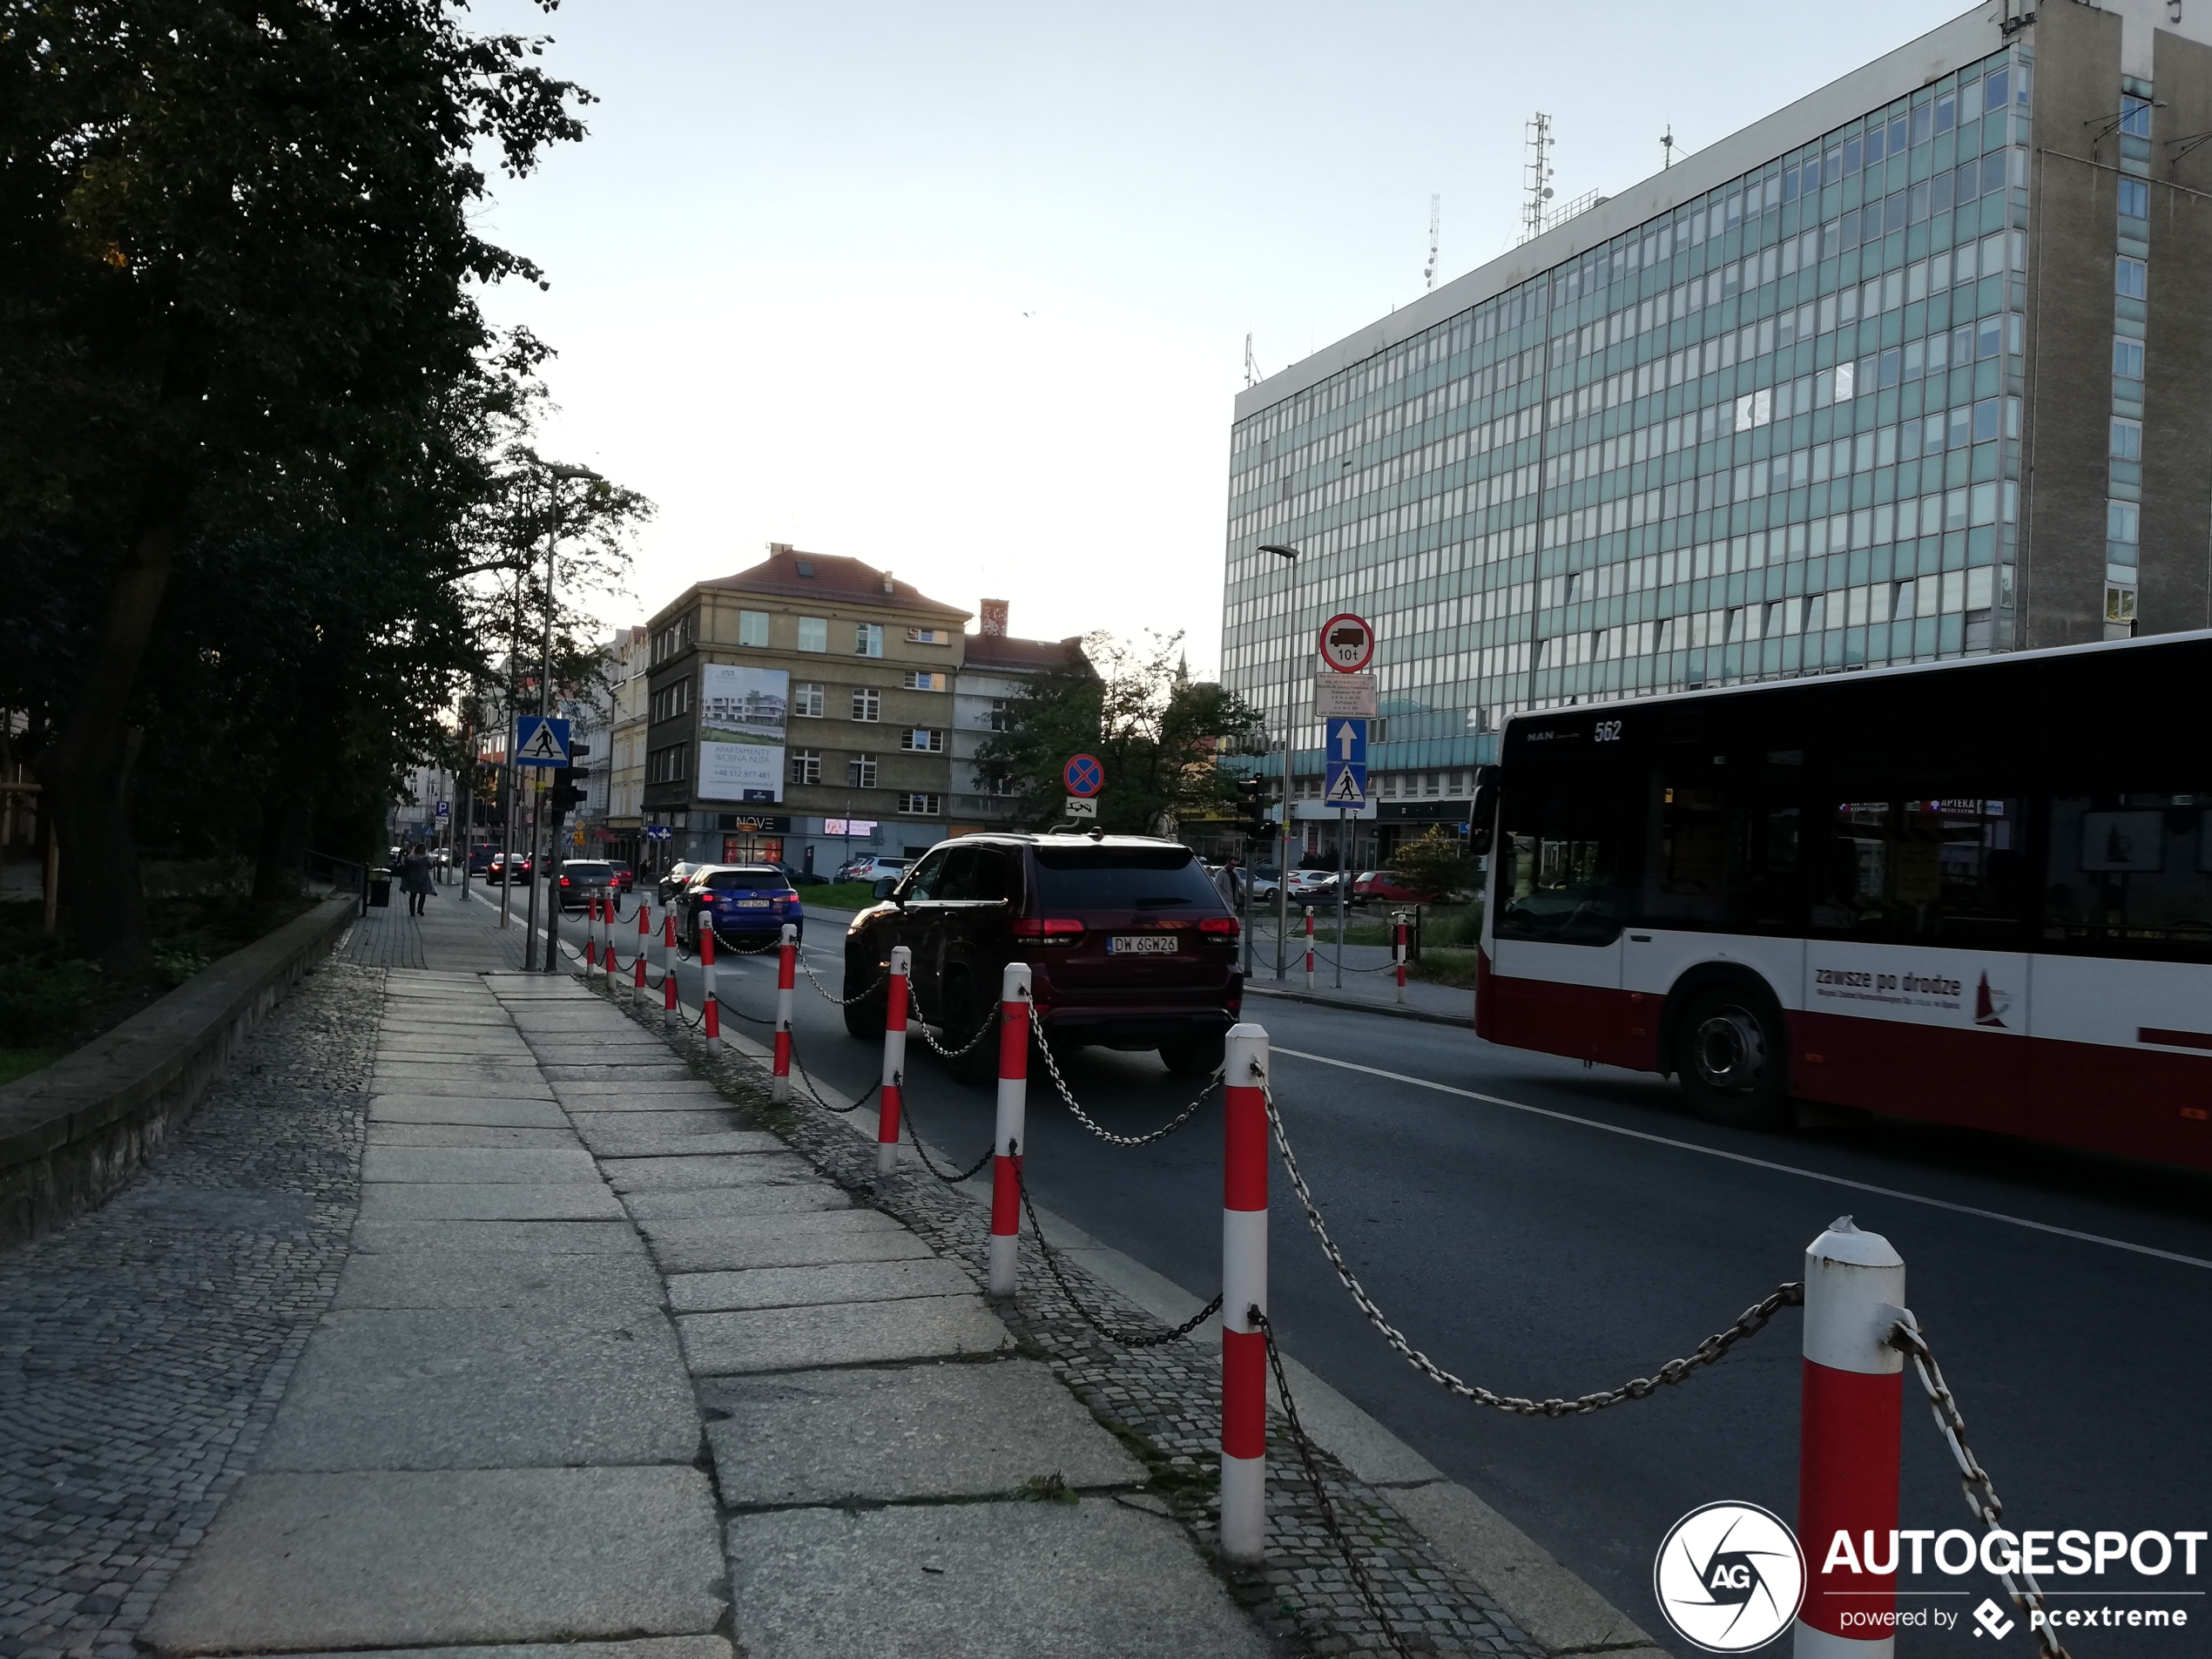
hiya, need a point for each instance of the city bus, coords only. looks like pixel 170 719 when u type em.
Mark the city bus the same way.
pixel 1976 892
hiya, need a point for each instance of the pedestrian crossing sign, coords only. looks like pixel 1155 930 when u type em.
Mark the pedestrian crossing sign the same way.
pixel 541 742
pixel 1344 785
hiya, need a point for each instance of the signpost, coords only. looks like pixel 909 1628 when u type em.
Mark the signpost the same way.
pixel 1347 642
pixel 541 742
pixel 1345 701
pixel 1083 806
pixel 1084 777
pixel 1345 697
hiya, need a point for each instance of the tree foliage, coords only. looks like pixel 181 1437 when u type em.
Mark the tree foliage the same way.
pixel 1157 731
pixel 263 462
pixel 1434 862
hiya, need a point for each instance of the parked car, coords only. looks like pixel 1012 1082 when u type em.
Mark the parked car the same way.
pixel 1312 886
pixel 745 904
pixel 1387 886
pixel 678 877
pixel 803 878
pixel 584 879
pixel 1128 942
pixel 872 869
pixel 625 877
pixel 1257 882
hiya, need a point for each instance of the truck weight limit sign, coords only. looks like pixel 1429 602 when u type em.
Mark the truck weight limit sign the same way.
pixel 1347 642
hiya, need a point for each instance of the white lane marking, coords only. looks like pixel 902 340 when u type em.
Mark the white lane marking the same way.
pixel 1756 1164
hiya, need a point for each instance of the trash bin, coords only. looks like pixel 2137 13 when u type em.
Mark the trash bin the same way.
pixel 379 891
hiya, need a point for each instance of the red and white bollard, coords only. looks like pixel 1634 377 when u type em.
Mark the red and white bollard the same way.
pixel 1243 1286
pixel 894 1063
pixel 709 1010
pixel 1309 947
pixel 1012 1128
pixel 1397 955
pixel 787 979
pixel 644 948
pixel 591 933
pixel 668 1010
pixel 1851 1439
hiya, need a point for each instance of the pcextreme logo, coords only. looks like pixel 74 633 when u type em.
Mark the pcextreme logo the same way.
pixel 1730 1577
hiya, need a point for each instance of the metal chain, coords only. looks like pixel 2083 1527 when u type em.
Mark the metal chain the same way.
pixel 921 1029
pixel 1123 1338
pixel 1749 1323
pixel 881 980
pixel 814 1089
pixel 1052 1065
pixel 1982 1495
pixel 907 1121
pixel 1304 1444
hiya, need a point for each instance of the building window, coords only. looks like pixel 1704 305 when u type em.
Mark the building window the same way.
pixel 2134 198
pixel 672 700
pixel 2126 439
pixel 2123 522
pixel 814 633
pixel 805 765
pixel 867 639
pixel 867 702
pixel 920 679
pixel 2120 605
pixel 2127 358
pixel 2131 279
pixel 922 739
pixel 2134 117
pixel 929 636
pixel 920 806
pixel 668 766
pixel 1001 714
pixel 752 628
pixel 806 699
pixel 860 771
pixel 677 635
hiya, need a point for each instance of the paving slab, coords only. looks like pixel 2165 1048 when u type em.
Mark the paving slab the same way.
pixel 756 1199
pixel 417 1388
pixel 943 1431
pixel 801 1239
pixel 856 1333
pixel 457 1065
pixel 507 1110
pixel 667 1088
pixel 661 1118
pixel 391 1559
pixel 775 1287
pixel 542 1237
pixel 487 1134
pixel 470 1163
pixel 656 1143
pixel 662 1070
pixel 517 1084
pixel 651 1648
pixel 1093 1579
pixel 684 1173
pixel 439 1276
pixel 490 1201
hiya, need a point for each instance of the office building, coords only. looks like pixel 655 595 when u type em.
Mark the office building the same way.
pixel 1915 368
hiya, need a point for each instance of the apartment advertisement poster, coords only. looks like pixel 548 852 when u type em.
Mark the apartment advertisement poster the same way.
pixel 741 732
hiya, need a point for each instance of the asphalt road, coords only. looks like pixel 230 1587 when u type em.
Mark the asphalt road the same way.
pixel 1580 1228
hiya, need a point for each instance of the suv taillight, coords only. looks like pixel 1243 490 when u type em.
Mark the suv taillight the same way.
pixel 1219 924
pixel 1053 930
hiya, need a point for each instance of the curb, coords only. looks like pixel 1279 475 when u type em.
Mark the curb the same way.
pixel 1389 1010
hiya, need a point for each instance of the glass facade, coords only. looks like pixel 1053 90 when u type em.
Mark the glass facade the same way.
pixel 1774 430
pixel 2131 298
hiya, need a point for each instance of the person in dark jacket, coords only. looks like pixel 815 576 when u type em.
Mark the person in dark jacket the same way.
pixel 414 878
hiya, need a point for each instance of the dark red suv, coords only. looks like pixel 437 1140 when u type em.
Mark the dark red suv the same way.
pixel 1128 942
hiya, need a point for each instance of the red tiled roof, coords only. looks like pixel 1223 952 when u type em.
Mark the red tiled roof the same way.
pixel 833 577
pixel 1002 651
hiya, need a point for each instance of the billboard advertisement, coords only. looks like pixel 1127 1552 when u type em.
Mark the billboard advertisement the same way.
pixel 741 731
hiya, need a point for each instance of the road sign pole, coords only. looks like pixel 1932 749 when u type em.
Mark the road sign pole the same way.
pixel 1344 883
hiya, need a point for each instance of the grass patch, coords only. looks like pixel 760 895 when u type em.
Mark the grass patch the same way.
pixel 1454 968
pixel 840 895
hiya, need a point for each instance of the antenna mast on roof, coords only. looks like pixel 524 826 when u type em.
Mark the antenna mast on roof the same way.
pixel 1537 176
pixel 1435 210
pixel 1253 376
pixel 1667 147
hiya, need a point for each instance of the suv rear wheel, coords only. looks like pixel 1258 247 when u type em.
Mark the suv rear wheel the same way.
pixel 966 1010
pixel 1731 1054
pixel 1198 1057
pixel 864 1016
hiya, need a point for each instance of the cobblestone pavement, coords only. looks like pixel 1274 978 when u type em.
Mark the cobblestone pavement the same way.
pixel 452 933
pixel 1164 1402
pixel 144 1348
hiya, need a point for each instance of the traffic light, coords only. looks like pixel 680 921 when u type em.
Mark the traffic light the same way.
pixel 1253 814
pixel 567 796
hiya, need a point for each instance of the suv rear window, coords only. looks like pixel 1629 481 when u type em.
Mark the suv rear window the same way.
pixel 587 870
pixel 1123 878
pixel 745 880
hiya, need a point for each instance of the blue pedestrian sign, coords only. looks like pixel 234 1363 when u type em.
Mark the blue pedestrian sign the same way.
pixel 1343 763
pixel 1084 775
pixel 541 742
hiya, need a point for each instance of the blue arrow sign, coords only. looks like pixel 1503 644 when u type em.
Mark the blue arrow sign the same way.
pixel 541 742
pixel 658 832
pixel 1346 743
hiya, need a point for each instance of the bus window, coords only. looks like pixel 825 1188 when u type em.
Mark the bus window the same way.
pixel 1924 868
pixel 1559 880
pixel 2131 874
pixel 1722 853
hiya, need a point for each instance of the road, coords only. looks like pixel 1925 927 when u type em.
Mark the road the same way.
pixel 1580 1227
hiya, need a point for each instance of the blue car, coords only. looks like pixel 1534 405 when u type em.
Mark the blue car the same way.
pixel 747 904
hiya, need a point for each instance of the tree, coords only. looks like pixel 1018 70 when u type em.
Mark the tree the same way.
pixel 1157 731
pixel 237 312
pixel 1434 863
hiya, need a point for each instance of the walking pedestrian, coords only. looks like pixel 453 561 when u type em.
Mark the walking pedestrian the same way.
pixel 1227 882
pixel 415 879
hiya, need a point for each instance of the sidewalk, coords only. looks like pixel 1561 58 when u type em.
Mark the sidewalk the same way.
pixel 576 1286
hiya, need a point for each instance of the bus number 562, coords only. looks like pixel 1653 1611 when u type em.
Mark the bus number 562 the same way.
pixel 1608 731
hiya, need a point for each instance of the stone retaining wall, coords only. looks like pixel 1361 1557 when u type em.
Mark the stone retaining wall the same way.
pixel 74 1133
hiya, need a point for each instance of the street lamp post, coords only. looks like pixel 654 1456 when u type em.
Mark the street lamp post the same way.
pixel 556 472
pixel 1289 556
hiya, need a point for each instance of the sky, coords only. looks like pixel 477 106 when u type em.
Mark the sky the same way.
pixel 963 291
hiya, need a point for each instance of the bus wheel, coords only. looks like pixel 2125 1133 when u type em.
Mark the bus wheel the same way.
pixel 1729 1054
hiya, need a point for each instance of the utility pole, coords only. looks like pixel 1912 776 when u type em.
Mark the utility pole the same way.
pixel 1289 556
pixel 545 707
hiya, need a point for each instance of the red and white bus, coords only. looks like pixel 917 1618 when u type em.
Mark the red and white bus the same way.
pixel 1976 892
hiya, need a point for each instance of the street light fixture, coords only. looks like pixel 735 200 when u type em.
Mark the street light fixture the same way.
pixel 556 472
pixel 1290 556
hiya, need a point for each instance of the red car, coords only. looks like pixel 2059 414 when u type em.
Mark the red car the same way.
pixel 625 878
pixel 1387 886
